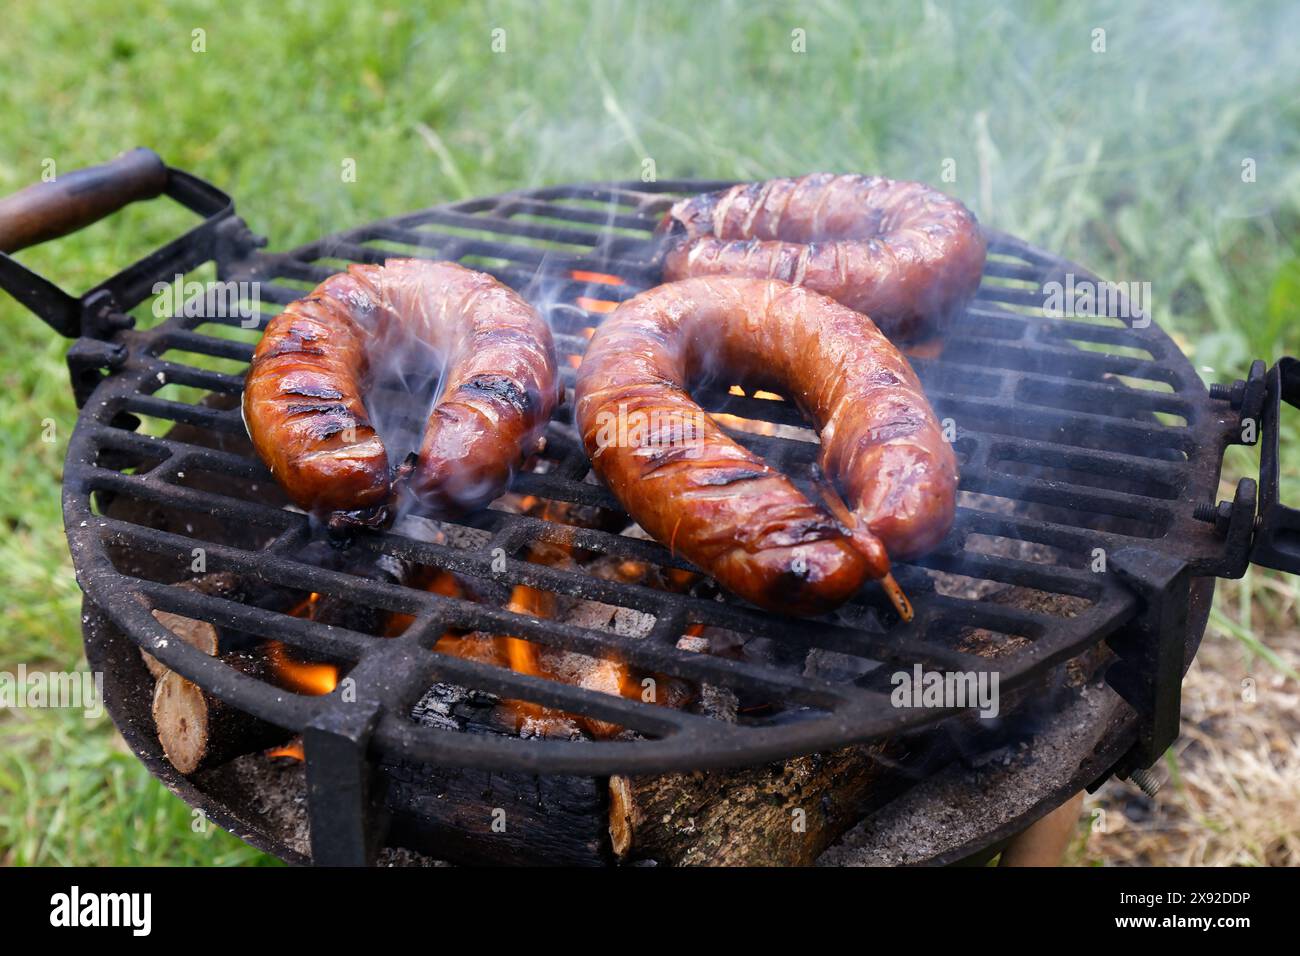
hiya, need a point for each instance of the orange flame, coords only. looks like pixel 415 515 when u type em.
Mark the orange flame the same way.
pixel 301 677
pixel 596 278
pixel 521 655
pixel 526 657
pixel 595 305
pixel 293 749
pixel 307 607
pixel 315 678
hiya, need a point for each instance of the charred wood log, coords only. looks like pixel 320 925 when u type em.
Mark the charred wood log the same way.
pixel 474 816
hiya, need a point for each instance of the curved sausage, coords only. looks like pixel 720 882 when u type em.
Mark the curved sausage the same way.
pixel 304 395
pixel 905 254
pixel 704 496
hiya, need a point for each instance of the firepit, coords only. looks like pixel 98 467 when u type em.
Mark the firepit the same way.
pixel 1079 572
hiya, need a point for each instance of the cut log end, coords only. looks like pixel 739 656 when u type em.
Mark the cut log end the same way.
pixel 182 716
pixel 200 635
pixel 197 730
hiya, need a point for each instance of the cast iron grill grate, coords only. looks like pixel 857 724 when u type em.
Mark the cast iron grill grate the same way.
pixel 1078 437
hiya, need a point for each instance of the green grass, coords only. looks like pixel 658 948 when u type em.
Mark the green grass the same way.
pixel 1128 160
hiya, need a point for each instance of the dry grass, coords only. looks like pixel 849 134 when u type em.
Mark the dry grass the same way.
pixel 1232 797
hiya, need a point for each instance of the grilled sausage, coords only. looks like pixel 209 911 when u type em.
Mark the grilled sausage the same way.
pixel 304 396
pixel 704 496
pixel 905 254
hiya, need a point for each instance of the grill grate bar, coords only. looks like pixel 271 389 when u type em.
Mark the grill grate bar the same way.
pixel 1075 497
pixel 467 616
pixel 200 415
pixel 580 214
pixel 338 643
pixel 1054 578
pixel 150 489
pixel 205 345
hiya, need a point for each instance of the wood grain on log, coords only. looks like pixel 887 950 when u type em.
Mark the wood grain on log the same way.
pixel 198 634
pixel 197 730
pixel 781 814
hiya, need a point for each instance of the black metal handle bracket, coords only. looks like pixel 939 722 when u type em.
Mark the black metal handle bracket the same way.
pixel 1277 529
pixel 102 311
pixel 1258 528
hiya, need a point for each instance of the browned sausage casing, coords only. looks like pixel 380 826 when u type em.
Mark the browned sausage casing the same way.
pixel 905 254
pixel 304 396
pixel 721 506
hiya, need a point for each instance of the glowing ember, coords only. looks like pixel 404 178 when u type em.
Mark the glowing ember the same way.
pixel 739 424
pixel 925 350
pixel 681 579
pixel 632 571
pixel 293 750
pixel 595 305
pixel 598 278
pixel 527 657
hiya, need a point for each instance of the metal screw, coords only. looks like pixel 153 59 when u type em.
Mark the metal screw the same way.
pixel 1206 511
pixel 1146 781
pixel 1234 393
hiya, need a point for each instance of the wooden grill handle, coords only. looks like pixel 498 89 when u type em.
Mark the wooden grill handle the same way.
pixel 48 210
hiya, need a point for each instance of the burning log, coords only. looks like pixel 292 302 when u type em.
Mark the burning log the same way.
pixel 197 730
pixel 782 814
pixel 477 816
pixel 779 814
pixel 194 728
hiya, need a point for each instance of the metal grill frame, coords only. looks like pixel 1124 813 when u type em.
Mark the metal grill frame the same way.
pixel 997 354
